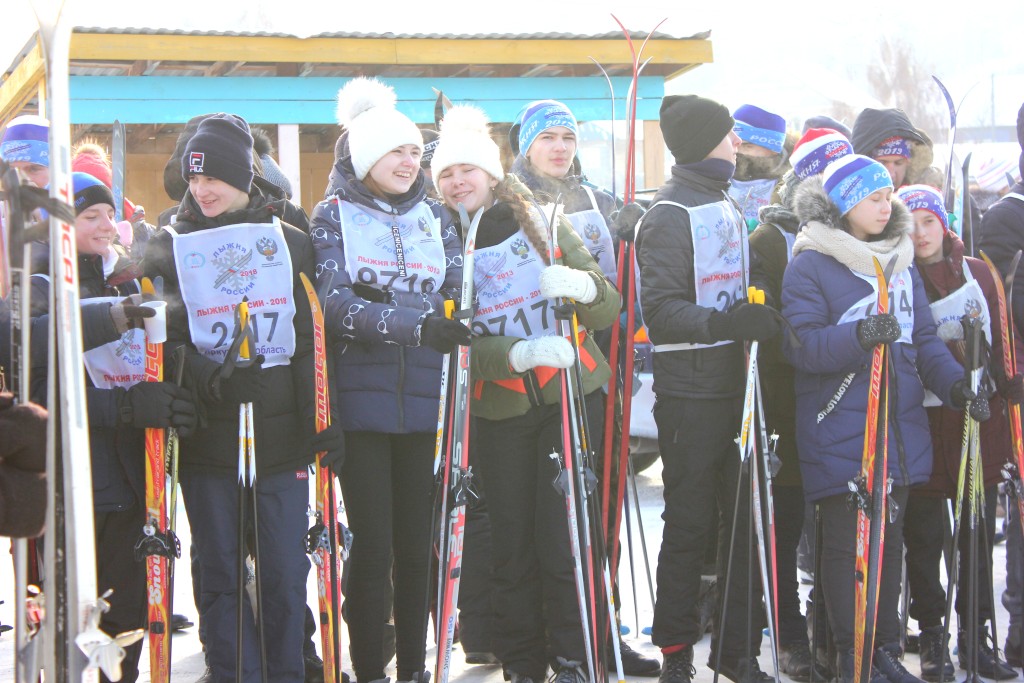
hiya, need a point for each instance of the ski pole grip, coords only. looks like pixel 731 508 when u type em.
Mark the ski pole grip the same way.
pixel 755 295
pixel 449 308
pixel 243 325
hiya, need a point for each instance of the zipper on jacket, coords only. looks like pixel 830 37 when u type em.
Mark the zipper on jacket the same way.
pixel 401 389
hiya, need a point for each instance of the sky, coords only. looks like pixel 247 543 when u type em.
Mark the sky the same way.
pixel 792 57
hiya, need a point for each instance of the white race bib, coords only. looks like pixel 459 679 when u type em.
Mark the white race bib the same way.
pixel 219 266
pixel 720 258
pixel 593 230
pixel 901 303
pixel 120 363
pixel 507 284
pixel 751 195
pixel 403 253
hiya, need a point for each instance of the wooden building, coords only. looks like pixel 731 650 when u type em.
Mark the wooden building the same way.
pixel 155 80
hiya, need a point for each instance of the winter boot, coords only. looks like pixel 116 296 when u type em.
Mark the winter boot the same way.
pixel 934 652
pixel 678 667
pixel 795 661
pixel 989 665
pixel 422 677
pixel 740 669
pixel 568 671
pixel 514 677
pixel 887 661
pixel 1012 647
pixel 481 658
pixel 635 664
pixel 846 666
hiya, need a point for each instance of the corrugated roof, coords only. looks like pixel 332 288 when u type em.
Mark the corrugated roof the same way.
pixel 609 35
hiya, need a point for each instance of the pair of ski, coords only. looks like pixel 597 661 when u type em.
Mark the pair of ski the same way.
pixel 451 458
pixel 158 545
pixel 328 541
pixel 758 460
pixel 620 394
pixel 970 484
pixel 869 492
pixel 69 643
pixel 578 483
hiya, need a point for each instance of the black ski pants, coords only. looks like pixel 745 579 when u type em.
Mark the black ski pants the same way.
pixel 924 536
pixel 387 482
pixel 117 568
pixel 701 467
pixel 211 501
pixel 838 562
pixel 789 525
pixel 476 611
pixel 535 601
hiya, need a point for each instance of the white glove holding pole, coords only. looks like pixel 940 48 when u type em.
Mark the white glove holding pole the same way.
pixel 559 281
pixel 550 352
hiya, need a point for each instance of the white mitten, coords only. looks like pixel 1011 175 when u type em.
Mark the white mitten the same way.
pixel 551 352
pixel 562 281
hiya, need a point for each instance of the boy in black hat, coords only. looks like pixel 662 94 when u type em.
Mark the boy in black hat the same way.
pixel 691 251
pixel 226 243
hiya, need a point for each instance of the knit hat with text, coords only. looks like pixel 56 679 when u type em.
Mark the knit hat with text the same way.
pixel 222 149
pixel 760 127
pixel 853 179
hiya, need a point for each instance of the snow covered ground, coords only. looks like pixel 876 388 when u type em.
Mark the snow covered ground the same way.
pixel 187 658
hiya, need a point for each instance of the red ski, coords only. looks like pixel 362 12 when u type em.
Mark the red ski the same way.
pixel 322 541
pixel 869 489
pixel 1010 369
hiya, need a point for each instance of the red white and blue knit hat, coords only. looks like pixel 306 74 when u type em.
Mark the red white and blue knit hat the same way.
pixel 852 179
pixel 924 198
pixel 818 148
pixel 894 146
pixel 760 127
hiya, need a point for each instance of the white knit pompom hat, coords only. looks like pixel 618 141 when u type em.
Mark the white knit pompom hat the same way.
pixel 465 139
pixel 366 107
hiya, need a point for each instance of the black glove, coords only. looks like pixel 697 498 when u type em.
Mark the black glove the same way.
pixel 877 329
pixel 1012 389
pixel 377 296
pixel 625 219
pixel 744 321
pixel 158 405
pixel 963 396
pixel 22 435
pixel 128 313
pixel 330 442
pixel 243 386
pixel 443 334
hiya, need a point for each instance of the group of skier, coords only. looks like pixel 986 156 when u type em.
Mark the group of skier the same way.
pixel 824 248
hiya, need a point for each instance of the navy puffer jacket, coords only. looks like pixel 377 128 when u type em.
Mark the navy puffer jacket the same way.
pixel 817 290
pixel 386 380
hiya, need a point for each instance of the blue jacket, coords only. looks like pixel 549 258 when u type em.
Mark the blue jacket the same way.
pixel 816 291
pixel 385 380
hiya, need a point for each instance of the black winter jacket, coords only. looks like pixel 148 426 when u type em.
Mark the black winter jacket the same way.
pixel 285 413
pixel 664 253
pixel 117 451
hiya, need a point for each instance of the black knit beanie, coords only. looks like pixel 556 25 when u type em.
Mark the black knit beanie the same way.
pixel 222 149
pixel 693 126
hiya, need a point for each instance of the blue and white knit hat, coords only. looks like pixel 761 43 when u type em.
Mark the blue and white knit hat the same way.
pixel 538 116
pixel 818 148
pixel 852 179
pixel 89 191
pixel 924 198
pixel 760 127
pixel 27 138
